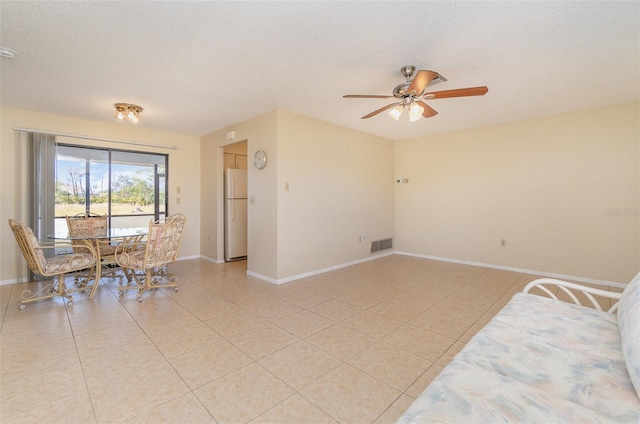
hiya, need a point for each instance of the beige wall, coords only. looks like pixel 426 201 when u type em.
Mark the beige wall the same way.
pixel 564 192
pixel 543 185
pixel 260 134
pixel 184 172
pixel 340 187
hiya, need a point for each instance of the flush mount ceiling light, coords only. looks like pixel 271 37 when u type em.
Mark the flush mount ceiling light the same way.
pixel 7 52
pixel 127 112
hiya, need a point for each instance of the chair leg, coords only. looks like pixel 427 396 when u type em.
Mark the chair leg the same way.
pixel 134 282
pixel 151 280
pixel 97 272
pixel 147 284
pixel 168 280
pixel 62 290
pixel 51 290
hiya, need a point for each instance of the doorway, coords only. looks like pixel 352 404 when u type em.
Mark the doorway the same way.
pixel 235 201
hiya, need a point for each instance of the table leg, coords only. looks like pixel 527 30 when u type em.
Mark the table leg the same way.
pixel 96 243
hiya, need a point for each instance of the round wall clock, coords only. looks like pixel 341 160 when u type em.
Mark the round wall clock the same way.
pixel 260 159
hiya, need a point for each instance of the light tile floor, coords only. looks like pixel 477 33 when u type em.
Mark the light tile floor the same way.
pixel 356 345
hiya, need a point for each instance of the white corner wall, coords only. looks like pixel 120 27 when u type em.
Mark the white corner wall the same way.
pixel 564 192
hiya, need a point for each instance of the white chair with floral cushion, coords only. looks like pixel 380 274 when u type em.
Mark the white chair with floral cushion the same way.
pixel 81 257
pixel 147 256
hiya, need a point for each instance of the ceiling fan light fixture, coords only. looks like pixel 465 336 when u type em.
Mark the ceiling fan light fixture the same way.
pixel 127 112
pixel 410 95
pixel 396 112
pixel 415 112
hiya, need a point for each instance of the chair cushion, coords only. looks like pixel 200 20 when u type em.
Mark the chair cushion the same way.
pixel 133 259
pixel 83 226
pixel 107 250
pixel 36 245
pixel 629 326
pixel 66 263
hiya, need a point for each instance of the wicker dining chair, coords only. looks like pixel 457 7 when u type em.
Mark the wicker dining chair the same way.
pixel 91 225
pixel 150 256
pixel 81 257
pixel 95 228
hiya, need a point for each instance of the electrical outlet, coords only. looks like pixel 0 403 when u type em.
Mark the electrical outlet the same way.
pixel 362 238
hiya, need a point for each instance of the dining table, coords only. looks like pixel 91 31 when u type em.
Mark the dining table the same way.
pixel 123 235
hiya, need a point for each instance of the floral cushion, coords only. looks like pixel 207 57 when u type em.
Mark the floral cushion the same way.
pixel 469 393
pixel 134 259
pixel 539 360
pixel 629 326
pixel 36 245
pixel 67 263
pixel 107 249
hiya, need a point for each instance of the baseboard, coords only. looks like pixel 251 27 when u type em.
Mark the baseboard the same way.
pixel 316 272
pixel 520 270
pixel 262 277
pixel 13 281
pixel 208 259
pixel 186 258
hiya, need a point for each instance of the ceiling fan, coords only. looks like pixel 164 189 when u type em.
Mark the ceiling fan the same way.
pixel 411 93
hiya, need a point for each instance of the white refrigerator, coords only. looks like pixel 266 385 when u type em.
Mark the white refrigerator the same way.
pixel 235 214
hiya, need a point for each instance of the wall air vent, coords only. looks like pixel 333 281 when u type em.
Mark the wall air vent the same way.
pixel 381 244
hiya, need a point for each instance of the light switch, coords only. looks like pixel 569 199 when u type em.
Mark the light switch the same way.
pixel 252 200
pixel 286 186
pixel 178 190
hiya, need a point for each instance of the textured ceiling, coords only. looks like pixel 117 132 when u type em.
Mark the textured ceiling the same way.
pixel 197 67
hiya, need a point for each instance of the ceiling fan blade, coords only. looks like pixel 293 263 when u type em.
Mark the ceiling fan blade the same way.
pixel 428 110
pixel 382 109
pixel 420 81
pixel 367 96
pixel 460 92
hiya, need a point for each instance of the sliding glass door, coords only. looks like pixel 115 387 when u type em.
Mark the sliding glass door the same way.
pixel 129 187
